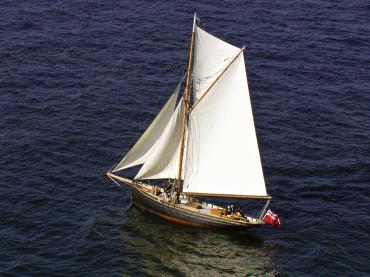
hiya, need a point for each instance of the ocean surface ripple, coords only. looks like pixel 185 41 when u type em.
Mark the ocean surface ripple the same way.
pixel 79 81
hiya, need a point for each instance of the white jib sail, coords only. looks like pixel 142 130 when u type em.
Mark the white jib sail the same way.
pixel 163 160
pixel 139 152
pixel 222 150
pixel 211 56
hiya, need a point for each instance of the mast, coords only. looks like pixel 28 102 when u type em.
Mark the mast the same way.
pixel 185 109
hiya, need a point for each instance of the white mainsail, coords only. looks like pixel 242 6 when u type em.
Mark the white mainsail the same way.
pixel 140 151
pixel 163 161
pixel 222 150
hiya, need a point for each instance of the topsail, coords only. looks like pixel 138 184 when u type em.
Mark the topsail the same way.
pixel 211 56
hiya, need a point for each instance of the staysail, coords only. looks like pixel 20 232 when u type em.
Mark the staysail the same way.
pixel 222 151
pixel 162 162
pixel 140 151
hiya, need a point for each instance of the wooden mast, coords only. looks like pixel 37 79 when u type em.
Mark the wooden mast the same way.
pixel 185 110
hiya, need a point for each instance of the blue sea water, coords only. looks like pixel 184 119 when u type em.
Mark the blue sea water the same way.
pixel 79 80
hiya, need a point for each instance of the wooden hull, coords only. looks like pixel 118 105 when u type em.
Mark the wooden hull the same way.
pixel 178 214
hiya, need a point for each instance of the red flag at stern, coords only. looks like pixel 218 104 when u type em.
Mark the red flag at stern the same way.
pixel 273 219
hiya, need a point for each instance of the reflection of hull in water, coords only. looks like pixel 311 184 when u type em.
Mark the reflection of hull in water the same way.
pixel 153 249
pixel 183 214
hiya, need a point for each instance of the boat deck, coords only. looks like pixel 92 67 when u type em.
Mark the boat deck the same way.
pixel 195 206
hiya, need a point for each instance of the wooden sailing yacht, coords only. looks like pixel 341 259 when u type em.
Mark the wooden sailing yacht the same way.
pixel 202 145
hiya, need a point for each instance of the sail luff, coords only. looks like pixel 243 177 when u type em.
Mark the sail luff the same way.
pixel 185 108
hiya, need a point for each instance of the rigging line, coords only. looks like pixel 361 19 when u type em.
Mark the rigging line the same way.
pixel 113 166
pixel 178 65
pixel 185 108
pixel 155 146
pixel 215 81
pixel 141 130
pixel 263 211
pixel 114 181
pixel 192 162
pixel 211 75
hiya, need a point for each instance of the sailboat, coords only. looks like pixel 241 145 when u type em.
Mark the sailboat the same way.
pixel 201 145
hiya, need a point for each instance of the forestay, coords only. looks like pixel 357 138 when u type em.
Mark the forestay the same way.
pixel 222 150
pixel 140 151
